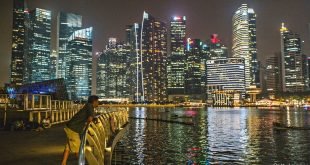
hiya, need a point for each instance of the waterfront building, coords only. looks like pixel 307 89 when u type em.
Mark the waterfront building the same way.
pixel 56 88
pixel 37 46
pixel 176 60
pixel 273 74
pixel 244 43
pixel 18 39
pixel 225 75
pixel 67 23
pixel 223 98
pixel 193 71
pixel 293 77
pixel 79 64
pixel 112 69
pixel 305 71
pixel 152 60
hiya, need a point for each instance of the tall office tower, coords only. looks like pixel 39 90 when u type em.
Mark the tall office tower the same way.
pixel 153 58
pixel 176 60
pixel 18 38
pixel 193 69
pixel 133 61
pixel 305 71
pixel 217 49
pixel 37 46
pixel 244 43
pixel 308 60
pixel 112 69
pixel 67 23
pixel 273 74
pixel 292 61
pixel 54 64
pixel 128 34
pixel 79 64
pixel 225 74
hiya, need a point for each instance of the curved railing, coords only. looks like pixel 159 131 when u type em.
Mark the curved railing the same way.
pixel 100 136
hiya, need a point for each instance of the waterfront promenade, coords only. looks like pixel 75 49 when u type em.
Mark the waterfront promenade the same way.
pixel 33 148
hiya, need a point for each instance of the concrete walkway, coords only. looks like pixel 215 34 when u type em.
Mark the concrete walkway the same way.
pixel 33 148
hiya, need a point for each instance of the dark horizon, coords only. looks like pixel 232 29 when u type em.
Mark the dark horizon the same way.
pixel 109 19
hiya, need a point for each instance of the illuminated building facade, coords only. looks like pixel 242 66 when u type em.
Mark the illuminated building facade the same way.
pixel 217 49
pixel 225 74
pixel 308 60
pixel 193 70
pixel 79 64
pixel 56 88
pixel 293 78
pixel 67 23
pixel 18 38
pixel 176 60
pixel 244 43
pixel 112 69
pixel 37 46
pixel 152 60
pixel 133 62
pixel 54 64
pixel 273 74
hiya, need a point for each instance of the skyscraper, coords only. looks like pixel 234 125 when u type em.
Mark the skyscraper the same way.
pixel 79 64
pixel 133 61
pixel 112 70
pixel 54 64
pixel 217 49
pixel 67 23
pixel 273 74
pixel 176 60
pixel 244 43
pixel 18 38
pixel 193 69
pixel 292 61
pixel 153 57
pixel 37 46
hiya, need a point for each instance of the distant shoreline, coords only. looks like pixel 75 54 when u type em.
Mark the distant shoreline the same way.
pixel 174 105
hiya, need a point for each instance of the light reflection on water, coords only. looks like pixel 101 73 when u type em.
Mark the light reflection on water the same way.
pixel 219 136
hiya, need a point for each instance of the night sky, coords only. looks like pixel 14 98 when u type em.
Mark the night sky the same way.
pixel 204 17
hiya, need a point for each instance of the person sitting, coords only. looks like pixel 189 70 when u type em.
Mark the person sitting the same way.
pixel 46 122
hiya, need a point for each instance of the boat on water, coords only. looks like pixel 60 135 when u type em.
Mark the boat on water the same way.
pixel 280 126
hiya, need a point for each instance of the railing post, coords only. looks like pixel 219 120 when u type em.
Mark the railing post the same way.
pixel 32 101
pixel 40 101
pixel 52 116
pixel 5 109
pixel 31 116
pixel 57 116
pixel 39 117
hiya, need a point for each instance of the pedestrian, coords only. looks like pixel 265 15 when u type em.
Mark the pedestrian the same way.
pixel 74 128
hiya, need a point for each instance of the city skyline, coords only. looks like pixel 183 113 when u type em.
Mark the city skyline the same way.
pixel 225 9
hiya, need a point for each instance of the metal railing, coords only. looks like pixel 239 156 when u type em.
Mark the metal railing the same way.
pixel 100 136
pixel 37 108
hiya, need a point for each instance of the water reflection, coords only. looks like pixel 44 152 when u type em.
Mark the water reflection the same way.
pixel 222 135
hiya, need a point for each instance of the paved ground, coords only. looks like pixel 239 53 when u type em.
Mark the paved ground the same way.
pixel 33 148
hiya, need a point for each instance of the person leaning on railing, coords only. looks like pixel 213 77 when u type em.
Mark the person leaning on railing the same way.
pixel 76 126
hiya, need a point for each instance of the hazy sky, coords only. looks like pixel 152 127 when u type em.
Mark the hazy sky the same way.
pixel 204 17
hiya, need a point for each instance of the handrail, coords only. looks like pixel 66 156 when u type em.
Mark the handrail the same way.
pixel 82 146
pixel 95 147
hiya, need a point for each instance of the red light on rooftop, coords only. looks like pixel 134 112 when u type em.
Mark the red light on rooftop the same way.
pixel 214 39
pixel 176 18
